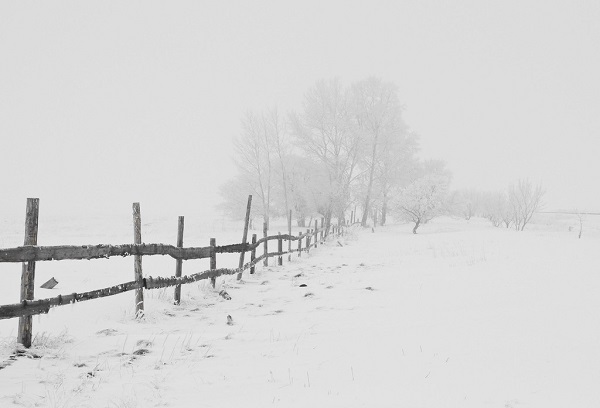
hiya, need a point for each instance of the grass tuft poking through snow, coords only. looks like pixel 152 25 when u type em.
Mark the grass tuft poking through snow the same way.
pixel 460 315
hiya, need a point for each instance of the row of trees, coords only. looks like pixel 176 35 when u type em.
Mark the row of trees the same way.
pixel 347 148
pixel 511 208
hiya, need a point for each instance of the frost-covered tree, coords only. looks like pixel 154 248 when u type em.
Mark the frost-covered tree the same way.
pixel 494 207
pixel 256 160
pixel 377 114
pixel 423 199
pixel 524 200
pixel 396 168
pixel 325 134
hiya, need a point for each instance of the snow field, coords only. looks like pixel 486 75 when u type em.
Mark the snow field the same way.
pixel 460 315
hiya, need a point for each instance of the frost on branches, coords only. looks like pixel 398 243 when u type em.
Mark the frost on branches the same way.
pixel 423 199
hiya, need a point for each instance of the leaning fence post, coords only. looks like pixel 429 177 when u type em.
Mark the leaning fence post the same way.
pixel 290 234
pixel 245 237
pixel 213 260
pixel 253 254
pixel 265 244
pixel 137 263
pixel 299 243
pixel 316 233
pixel 322 229
pixel 179 262
pixel 279 249
pixel 308 240
pixel 28 270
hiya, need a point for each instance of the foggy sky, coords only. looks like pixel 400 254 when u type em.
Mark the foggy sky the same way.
pixel 106 103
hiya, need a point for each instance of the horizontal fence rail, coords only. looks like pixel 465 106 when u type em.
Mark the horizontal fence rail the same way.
pixel 29 254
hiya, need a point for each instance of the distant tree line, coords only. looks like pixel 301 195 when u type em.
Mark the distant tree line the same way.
pixel 513 207
pixel 347 149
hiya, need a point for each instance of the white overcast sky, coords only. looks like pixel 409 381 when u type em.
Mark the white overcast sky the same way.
pixel 110 102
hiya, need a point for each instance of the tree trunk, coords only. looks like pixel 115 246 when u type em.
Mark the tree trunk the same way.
pixel 370 186
pixel 417 223
pixel 384 210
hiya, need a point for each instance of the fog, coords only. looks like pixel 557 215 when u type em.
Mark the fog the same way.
pixel 107 103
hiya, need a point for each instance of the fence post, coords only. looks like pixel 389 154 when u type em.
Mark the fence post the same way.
pixel 137 263
pixel 279 249
pixel 299 243
pixel 245 237
pixel 316 232
pixel 28 270
pixel 179 262
pixel 290 234
pixel 308 240
pixel 253 254
pixel 265 244
pixel 213 260
pixel 322 229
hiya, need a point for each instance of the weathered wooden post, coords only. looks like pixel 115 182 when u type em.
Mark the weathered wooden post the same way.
pixel 213 260
pixel 245 237
pixel 351 216
pixel 137 263
pixel 28 270
pixel 316 232
pixel 322 229
pixel 308 240
pixel 253 254
pixel 279 249
pixel 265 244
pixel 179 262
pixel 290 234
pixel 299 243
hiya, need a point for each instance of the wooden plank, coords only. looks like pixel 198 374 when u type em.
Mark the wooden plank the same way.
pixel 245 236
pixel 137 263
pixel 299 244
pixel 87 252
pixel 179 262
pixel 33 307
pixel 25 328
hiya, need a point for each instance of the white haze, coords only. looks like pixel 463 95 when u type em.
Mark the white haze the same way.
pixel 106 103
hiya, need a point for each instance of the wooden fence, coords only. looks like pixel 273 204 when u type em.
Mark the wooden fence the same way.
pixel 30 253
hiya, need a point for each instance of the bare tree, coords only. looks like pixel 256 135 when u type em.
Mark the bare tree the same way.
pixel 377 113
pixel 324 132
pixel 276 128
pixel 524 200
pixel 396 168
pixel 254 158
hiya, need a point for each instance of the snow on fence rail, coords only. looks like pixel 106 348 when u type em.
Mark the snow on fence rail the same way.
pixel 30 253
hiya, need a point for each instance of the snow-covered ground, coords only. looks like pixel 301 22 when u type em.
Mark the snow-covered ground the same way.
pixel 460 315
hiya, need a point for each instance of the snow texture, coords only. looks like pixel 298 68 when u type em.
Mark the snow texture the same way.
pixel 461 315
